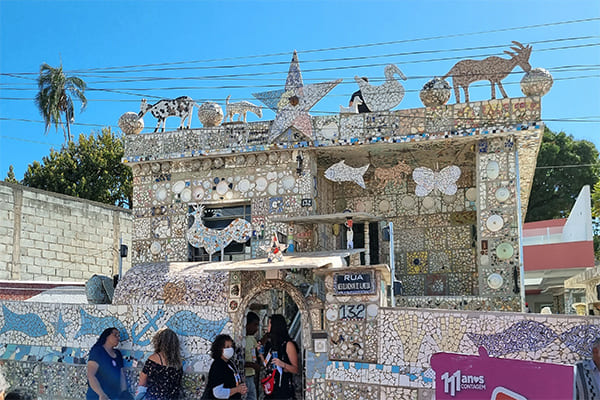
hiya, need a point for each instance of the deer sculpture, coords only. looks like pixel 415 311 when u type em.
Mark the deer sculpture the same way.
pixel 492 69
pixel 213 240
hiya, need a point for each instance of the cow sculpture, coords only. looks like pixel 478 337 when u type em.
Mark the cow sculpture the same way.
pixel 492 69
pixel 180 107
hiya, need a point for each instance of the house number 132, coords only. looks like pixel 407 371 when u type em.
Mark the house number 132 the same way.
pixel 352 311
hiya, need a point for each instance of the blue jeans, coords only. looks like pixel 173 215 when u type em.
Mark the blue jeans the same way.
pixel 251 395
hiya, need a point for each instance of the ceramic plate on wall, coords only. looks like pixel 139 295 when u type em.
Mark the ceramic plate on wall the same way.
pixel 186 195
pixel 471 194
pixel 222 188
pixel 428 202
pixel 504 251
pixel 261 184
pixel 408 202
pixel 161 194
pixel 492 169
pixel 288 182
pixel 244 185
pixel 495 281
pixel 272 190
pixel 494 223
pixel 155 248
pixel 502 194
pixel 178 186
pixel 198 193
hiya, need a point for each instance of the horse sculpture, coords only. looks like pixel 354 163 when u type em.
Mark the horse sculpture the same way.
pixel 213 240
pixel 492 69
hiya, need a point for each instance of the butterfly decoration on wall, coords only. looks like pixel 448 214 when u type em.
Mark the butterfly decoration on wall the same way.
pixel 444 180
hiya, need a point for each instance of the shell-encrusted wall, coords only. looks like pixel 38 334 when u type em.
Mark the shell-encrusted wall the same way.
pixel 271 183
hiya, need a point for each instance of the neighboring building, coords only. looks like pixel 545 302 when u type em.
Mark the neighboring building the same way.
pixel 49 237
pixel 554 251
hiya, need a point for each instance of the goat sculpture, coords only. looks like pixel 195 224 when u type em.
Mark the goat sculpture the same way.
pixel 240 108
pixel 213 240
pixel 492 69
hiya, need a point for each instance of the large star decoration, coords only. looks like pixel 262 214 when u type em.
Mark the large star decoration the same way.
pixel 293 103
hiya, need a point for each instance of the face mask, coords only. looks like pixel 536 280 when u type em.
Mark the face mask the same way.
pixel 228 352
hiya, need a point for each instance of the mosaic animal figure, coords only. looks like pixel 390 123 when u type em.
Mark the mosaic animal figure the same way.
pixel 385 96
pixel 92 325
pixel 444 180
pixel 353 109
pixel 395 174
pixel 492 69
pixel 182 106
pixel 340 172
pixel 30 324
pixel 187 323
pixel 240 108
pixel 212 240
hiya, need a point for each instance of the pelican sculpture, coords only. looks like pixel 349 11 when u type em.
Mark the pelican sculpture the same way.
pixel 385 96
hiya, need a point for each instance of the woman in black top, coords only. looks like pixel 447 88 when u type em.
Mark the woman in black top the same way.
pixel 163 371
pixel 286 361
pixel 224 380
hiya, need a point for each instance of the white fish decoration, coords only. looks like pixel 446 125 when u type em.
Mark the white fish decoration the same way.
pixel 444 180
pixel 340 172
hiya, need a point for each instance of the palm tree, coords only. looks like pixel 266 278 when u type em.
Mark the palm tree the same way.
pixel 55 97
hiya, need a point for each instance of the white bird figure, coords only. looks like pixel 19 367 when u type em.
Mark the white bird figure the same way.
pixel 444 180
pixel 385 96
pixel 353 109
pixel 340 172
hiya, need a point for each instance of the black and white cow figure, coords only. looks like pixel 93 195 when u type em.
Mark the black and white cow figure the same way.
pixel 180 107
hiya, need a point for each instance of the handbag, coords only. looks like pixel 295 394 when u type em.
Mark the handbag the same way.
pixel 268 383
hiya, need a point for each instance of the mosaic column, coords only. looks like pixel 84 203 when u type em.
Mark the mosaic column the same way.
pixel 497 223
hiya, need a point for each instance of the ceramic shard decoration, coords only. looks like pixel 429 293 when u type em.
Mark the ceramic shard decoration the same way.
pixel 241 108
pixel 213 240
pixel 444 180
pixel 210 114
pixel 180 107
pixel 340 172
pixel 274 250
pixel 385 96
pixel 436 92
pixel 130 123
pixel 294 102
pixel 492 69
pixel 536 82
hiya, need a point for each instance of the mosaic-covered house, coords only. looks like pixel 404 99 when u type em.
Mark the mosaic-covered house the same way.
pixel 343 223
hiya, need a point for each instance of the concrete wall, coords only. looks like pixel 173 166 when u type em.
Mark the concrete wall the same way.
pixel 47 236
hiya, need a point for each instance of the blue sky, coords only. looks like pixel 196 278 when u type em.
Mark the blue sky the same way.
pixel 252 43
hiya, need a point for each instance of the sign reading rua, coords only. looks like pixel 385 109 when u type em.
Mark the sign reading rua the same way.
pixel 349 283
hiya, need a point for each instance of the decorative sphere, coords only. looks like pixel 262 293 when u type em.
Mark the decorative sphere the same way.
pixel 210 114
pixel 130 123
pixel 436 92
pixel 536 82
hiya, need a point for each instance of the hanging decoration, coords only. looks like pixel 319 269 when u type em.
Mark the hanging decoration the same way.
pixel 444 180
pixel 293 103
pixel 340 172
pixel 274 250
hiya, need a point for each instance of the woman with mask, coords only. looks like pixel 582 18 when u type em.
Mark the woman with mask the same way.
pixel 224 379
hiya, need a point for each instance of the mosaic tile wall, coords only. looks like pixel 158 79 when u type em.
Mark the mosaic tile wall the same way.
pixel 45 346
pixel 271 183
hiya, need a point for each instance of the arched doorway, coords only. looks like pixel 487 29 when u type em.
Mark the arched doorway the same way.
pixel 258 300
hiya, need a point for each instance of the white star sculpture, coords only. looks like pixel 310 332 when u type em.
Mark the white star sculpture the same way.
pixel 293 103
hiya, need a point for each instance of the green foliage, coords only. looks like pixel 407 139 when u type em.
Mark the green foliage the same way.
pixel 90 169
pixel 10 176
pixel 564 166
pixel 55 97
